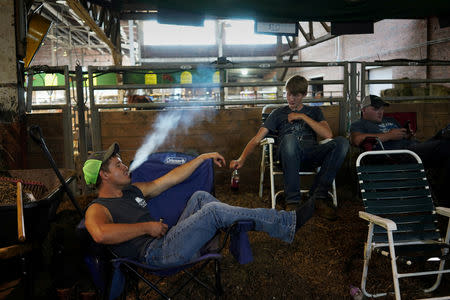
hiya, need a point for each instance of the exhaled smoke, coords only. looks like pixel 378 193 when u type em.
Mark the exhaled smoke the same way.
pixel 165 123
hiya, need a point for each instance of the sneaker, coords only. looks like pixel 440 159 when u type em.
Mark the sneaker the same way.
pixel 325 208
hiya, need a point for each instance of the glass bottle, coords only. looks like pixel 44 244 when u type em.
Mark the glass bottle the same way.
pixel 235 180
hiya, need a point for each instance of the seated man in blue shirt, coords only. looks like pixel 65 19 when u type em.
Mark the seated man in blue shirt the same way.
pixel 297 127
pixel 119 217
pixel 434 152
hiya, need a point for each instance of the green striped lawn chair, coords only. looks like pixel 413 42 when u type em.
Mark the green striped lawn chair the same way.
pixel 402 218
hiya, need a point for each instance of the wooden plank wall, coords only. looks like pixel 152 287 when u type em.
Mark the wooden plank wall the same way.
pixel 431 117
pixel 52 131
pixel 225 131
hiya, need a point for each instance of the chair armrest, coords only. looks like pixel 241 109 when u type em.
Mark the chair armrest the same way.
pixel 267 141
pixel 370 142
pixel 444 211
pixel 383 222
pixel 325 141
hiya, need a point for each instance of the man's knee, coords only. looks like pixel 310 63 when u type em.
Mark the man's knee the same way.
pixel 212 208
pixel 288 145
pixel 341 143
pixel 200 194
pixel 201 197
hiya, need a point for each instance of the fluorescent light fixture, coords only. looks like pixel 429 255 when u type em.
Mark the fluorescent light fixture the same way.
pixel 434 259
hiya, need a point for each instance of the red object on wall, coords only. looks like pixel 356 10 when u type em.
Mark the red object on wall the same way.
pixel 403 117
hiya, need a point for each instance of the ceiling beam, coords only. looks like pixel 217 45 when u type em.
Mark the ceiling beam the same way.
pixel 63 20
pixel 66 32
pixel 316 41
pixel 84 15
pixel 76 18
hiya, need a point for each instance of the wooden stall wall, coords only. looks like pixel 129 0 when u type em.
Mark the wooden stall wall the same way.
pixel 431 117
pixel 52 131
pixel 225 131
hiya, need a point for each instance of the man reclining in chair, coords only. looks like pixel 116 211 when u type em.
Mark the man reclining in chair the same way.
pixel 298 126
pixel 119 217
pixel 434 152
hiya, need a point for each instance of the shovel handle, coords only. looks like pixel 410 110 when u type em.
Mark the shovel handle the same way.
pixel 20 219
pixel 36 133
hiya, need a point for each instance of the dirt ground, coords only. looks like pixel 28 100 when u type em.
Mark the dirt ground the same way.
pixel 323 261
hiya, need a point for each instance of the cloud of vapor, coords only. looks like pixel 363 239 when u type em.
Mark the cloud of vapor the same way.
pixel 164 125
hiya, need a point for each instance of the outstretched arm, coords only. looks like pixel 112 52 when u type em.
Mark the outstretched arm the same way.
pixel 249 148
pixel 103 230
pixel 177 175
pixel 356 138
pixel 321 128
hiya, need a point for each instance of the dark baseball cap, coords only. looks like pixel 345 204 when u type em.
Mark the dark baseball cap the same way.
pixel 372 100
pixel 92 165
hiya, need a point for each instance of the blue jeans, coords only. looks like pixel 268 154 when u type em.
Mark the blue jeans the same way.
pixel 296 155
pixel 201 219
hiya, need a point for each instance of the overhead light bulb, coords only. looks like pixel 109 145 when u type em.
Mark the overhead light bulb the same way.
pixel 244 72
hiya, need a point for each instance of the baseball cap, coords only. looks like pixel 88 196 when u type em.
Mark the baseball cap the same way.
pixel 372 100
pixel 92 165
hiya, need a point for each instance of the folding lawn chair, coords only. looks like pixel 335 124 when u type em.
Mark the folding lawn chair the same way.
pixel 267 161
pixel 111 274
pixel 402 218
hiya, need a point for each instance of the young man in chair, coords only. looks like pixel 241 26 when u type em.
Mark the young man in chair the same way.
pixel 434 152
pixel 119 216
pixel 297 127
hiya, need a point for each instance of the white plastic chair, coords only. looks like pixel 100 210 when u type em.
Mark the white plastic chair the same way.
pixel 267 161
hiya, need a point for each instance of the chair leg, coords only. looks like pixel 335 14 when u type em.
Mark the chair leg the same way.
pixel 441 264
pixel 334 193
pixel 261 173
pixel 219 288
pixel 272 179
pixel 367 256
pixel 438 278
pixel 394 265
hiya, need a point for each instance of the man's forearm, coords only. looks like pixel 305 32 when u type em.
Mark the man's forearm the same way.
pixel 357 137
pixel 320 128
pixel 112 233
pixel 182 172
pixel 249 148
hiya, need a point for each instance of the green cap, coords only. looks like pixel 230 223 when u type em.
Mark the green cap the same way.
pixel 92 165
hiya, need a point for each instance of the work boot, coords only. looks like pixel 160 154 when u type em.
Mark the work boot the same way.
pixel 304 212
pixel 324 207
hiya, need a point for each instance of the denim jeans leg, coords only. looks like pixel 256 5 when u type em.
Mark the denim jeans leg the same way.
pixel 330 157
pixel 291 156
pixel 182 242
pixel 196 202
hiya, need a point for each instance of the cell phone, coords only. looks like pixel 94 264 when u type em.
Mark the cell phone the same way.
pixel 407 127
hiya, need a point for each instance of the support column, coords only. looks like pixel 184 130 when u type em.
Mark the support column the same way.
pixel 12 125
pixel 9 110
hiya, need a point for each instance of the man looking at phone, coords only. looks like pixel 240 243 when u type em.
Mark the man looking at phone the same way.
pixel 434 152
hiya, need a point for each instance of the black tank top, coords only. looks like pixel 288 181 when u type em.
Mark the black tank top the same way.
pixel 130 208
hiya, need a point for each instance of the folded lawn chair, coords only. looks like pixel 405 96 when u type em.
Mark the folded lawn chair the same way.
pixel 111 273
pixel 402 218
